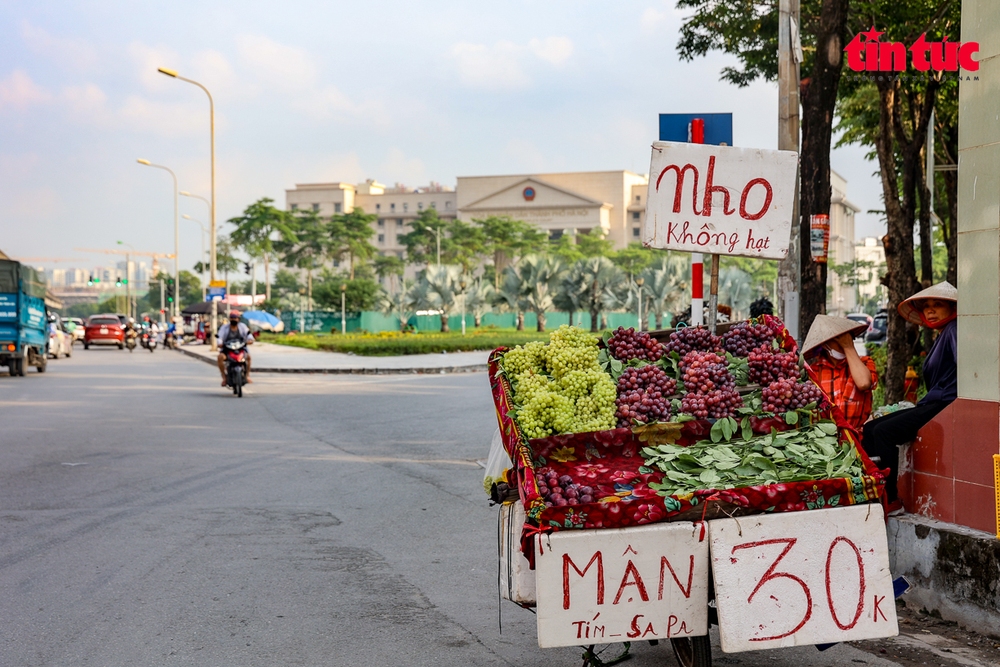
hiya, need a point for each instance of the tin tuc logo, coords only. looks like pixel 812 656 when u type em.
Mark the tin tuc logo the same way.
pixel 870 54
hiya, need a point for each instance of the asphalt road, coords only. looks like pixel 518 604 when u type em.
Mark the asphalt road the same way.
pixel 148 517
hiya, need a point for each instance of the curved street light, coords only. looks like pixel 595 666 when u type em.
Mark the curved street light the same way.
pixel 211 111
pixel 177 263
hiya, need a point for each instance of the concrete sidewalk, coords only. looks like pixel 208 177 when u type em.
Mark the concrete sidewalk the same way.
pixel 271 358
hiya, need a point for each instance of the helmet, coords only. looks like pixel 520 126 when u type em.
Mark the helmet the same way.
pixel 234 314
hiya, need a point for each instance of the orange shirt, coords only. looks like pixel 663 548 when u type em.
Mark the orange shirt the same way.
pixel 834 377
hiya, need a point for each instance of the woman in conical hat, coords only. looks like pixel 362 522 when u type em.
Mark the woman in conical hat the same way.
pixel 936 308
pixel 835 366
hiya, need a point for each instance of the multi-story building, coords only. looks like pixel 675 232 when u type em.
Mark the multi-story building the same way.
pixel 841 296
pixel 870 251
pixel 560 203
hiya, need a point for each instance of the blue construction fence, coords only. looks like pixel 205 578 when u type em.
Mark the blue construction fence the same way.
pixel 327 321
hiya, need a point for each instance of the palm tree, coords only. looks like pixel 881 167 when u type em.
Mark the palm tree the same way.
pixel 438 289
pixel 736 290
pixel 664 286
pixel 598 278
pixel 509 295
pixel 349 234
pixel 538 276
pixel 480 298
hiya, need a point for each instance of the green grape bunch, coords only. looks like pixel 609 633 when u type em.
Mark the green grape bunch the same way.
pixel 560 387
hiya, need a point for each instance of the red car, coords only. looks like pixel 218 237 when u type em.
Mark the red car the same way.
pixel 104 330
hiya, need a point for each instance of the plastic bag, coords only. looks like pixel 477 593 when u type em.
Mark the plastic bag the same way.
pixel 497 463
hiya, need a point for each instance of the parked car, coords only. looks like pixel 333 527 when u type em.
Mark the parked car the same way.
pixel 861 318
pixel 60 342
pixel 79 329
pixel 878 327
pixel 104 329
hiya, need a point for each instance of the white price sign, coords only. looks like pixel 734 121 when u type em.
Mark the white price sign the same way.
pixel 626 584
pixel 802 578
pixel 720 200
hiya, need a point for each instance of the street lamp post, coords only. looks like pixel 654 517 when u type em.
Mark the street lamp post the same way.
pixel 211 111
pixel 462 285
pixel 177 263
pixel 129 309
pixel 201 261
pixel 343 308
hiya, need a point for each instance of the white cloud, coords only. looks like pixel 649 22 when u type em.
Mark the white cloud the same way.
pixel 20 92
pixel 148 59
pixel 164 118
pixel 71 53
pixel 283 67
pixel 553 50
pixel 653 19
pixel 87 98
pixel 502 66
pixel 399 168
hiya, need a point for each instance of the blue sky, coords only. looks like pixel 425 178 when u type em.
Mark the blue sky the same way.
pixel 318 91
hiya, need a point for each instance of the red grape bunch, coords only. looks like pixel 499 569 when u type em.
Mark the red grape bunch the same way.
pixel 787 394
pixel 643 395
pixel 711 389
pixel 767 365
pixel 628 344
pixel 744 337
pixel 686 339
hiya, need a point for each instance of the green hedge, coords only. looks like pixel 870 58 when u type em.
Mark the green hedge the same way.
pixel 393 343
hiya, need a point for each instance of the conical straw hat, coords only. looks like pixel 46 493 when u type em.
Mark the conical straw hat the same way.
pixel 825 328
pixel 909 309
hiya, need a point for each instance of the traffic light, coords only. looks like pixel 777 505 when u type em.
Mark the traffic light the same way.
pixel 90 281
pixel 124 281
pixel 118 283
pixel 246 268
pixel 170 290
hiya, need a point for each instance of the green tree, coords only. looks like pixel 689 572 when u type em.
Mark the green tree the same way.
pixel 598 278
pixel 305 248
pixel 634 259
pixel 360 293
pixel 480 297
pixel 748 30
pixel 508 239
pixel 391 267
pixel 903 107
pixel 428 234
pixel 537 277
pixel 349 235
pixel 257 231
pixel 665 286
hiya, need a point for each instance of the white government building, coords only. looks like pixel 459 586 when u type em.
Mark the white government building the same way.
pixel 563 203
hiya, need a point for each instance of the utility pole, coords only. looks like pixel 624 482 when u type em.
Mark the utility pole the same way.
pixel 789 60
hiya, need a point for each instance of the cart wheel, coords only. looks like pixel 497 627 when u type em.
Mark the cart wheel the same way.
pixel 693 651
pixel 592 658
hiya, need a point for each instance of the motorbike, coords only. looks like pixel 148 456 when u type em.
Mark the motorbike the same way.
pixel 130 337
pixel 236 365
pixel 148 341
pixel 170 341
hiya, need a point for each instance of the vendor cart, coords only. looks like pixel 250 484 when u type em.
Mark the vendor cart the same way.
pixel 773 565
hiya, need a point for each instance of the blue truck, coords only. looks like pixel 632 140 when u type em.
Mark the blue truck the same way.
pixel 23 335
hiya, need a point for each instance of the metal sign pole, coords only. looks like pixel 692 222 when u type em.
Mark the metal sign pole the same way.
pixel 713 295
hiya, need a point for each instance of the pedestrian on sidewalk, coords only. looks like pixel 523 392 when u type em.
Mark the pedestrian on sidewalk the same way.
pixel 834 365
pixel 936 308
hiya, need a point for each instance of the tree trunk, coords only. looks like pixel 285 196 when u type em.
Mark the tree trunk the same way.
pixel 541 321
pixel 658 320
pixel 520 321
pixel 352 264
pixel 950 226
pixel 604 320
pixel 819 97
pixel 900 196
pixel 926 242
pixel 444 323
pixel 595 317
pixel 477 319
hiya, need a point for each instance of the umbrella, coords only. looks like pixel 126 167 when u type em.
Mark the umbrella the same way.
pixel 205 308
pixel 263 320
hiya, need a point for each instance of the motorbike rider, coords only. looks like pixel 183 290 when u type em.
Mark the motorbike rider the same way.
pixel 233 330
